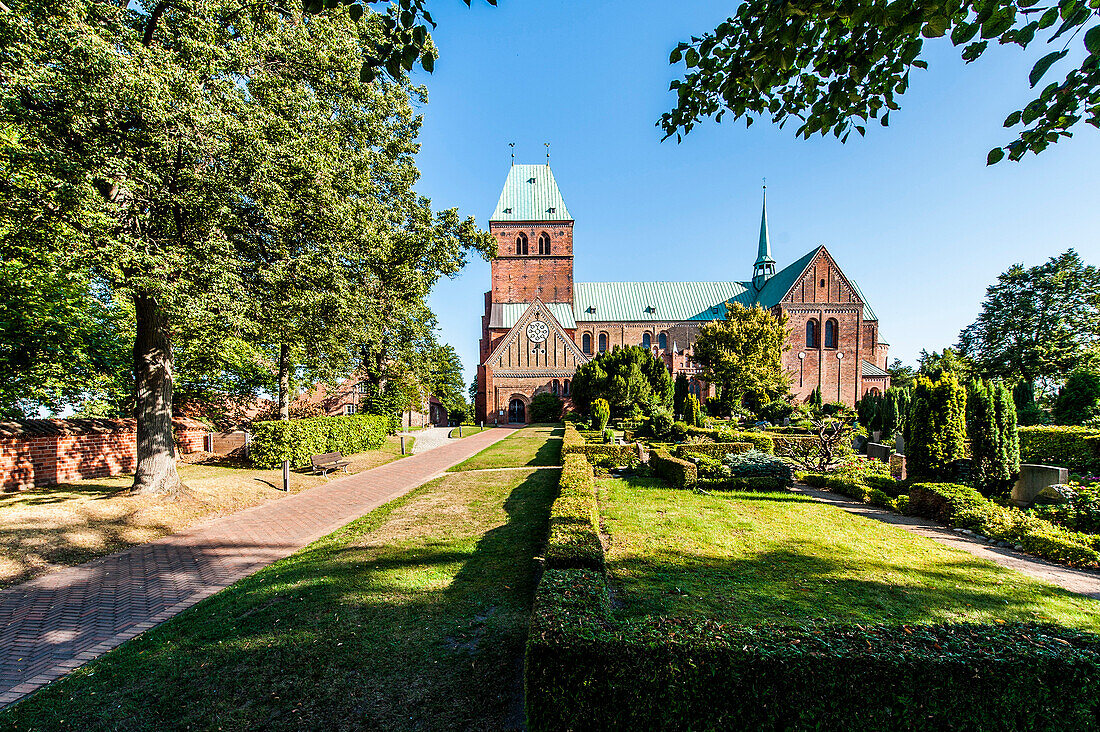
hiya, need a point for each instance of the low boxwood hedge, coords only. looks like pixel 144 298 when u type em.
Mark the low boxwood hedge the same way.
pixel 716 450
pixel 1076 448
pixel 573 443
pixel 743 484
pixel 574 540
pixel 297 439
pixel 859 490
pixel 760 440
pixel 585 670
pixel 677 472
pixel 965 508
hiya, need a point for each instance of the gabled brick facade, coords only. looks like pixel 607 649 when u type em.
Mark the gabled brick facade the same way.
pixel 842 353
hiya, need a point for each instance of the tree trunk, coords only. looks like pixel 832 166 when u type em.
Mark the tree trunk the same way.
pixel 284 382
pixel 156 448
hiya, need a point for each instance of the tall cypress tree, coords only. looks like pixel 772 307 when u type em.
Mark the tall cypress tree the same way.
pixel 986 451
pixel 679 394
pixel 937 429
pixel 1007 428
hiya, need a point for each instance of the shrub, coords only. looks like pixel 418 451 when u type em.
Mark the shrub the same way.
pixel 587 670
pixel 546 407
pixel 937 427
pixel 676 472
pixel 965 508
pixel 601 412
pixel 756 464
pixel 574 540
pixel 717 450
pixel 861 467
pixel 661 424
pixel 742 484
pixel 1076 448
pixel 994 445
pixel 693 411
pixel 886 484
pixel 776 411
pixel 298 439
pixel 1079 511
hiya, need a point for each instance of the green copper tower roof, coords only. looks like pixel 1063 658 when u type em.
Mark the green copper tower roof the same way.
pixel 530 194
pixel 764 247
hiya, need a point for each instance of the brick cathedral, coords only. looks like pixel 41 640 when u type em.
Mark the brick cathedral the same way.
pixel 539 325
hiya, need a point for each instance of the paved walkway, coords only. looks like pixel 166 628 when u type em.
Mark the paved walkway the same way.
pixel 429 439
pixel 1075 580
pixel 55 623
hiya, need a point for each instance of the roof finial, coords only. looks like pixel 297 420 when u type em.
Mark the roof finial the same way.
pixel 547 144
pixel 513 146
pixel 765 183
pixel 765 265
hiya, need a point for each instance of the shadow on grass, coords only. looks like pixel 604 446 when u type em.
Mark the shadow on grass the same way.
pixel 642 482
pixel 549 453
pixel 817 579
pixel 363 630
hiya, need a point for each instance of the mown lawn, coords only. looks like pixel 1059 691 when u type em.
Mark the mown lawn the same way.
pixel 784 558
pixel 531 446
pixel 467 430
pixel 69 524
pixel 412 618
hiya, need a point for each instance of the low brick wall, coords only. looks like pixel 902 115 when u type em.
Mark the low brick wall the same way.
pixel 41 452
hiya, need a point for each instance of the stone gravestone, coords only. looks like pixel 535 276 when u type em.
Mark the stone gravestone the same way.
pixel 1033 479
pixel 899 445
pixel 878 452
pixel 876 435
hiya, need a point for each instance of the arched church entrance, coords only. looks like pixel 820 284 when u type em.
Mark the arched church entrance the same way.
pixel 517 411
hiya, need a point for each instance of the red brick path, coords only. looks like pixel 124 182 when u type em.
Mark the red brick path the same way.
pixel 55 623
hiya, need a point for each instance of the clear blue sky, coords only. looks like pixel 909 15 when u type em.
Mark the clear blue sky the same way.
pixel 911 212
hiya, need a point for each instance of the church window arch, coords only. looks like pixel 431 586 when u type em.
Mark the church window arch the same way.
pixel 603 342
pixel 555 386
pixel 544 243
pixel 565 390
pixel 662 341
pixel 812 333
pixel 521 243
pixel 586 344
pixel 647 339
pixel 831 328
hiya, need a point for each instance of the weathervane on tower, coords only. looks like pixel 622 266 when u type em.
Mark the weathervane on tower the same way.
pixel 547 144
pixel 513 146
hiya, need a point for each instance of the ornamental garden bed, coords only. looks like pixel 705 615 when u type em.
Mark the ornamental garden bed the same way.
pixel 768 610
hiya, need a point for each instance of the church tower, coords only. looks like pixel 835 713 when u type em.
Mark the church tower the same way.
pixel 534 234
pixel 765 265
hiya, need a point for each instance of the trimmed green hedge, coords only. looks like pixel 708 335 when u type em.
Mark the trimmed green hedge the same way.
pixel 585 670
pixel 1076 448
pixel 298 439
pixel 761 441
pixel 743 484
pixel 716 450
pixel 573 443
pixel 965 508
pixel 856 489
pixel 677 472
pixel 574 540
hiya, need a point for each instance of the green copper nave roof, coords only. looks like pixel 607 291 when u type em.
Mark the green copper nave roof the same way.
pixel 655 301
pixel 530 194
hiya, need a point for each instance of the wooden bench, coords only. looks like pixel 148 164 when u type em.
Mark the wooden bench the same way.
pixel 328 461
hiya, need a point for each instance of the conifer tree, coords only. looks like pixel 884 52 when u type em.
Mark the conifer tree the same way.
pixel 937 427
pixel 680 392
pixel 985 443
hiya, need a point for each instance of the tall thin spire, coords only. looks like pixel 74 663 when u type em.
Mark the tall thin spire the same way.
pixel 765 265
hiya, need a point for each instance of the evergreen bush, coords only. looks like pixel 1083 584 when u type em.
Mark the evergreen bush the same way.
pixel 937 427
pixel 601 412
pixel 693 411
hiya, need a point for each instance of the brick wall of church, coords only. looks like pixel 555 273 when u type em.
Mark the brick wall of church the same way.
pixel 522 278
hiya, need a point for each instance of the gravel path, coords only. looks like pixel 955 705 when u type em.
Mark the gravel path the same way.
pixel 1080 581
pixel 428 438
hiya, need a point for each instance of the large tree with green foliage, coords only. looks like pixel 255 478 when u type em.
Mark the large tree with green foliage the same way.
pixel 629 378
pixel 1037 324
pixel 743 355
pixel 124 131
pixel 1078 400
pixel 833 67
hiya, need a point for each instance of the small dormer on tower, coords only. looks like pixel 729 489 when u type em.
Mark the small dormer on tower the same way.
pixel 765 265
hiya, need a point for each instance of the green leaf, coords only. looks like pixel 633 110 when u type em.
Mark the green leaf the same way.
pixel 428 62
pixel 356 12
pixel 994 156
pixel 1092 40
pixel 1048 18
pixel 1012 119
pixel 935 27
pixel 675 56
pixel 1042 65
